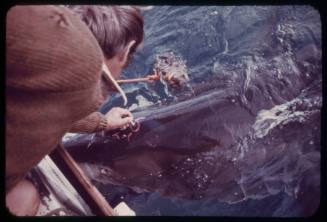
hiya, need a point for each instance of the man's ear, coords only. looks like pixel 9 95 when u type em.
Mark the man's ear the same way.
pixel 125 54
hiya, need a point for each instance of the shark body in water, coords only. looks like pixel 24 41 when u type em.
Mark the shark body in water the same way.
pixel 242 139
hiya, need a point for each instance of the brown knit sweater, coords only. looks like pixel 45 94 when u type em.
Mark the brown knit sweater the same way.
pixel 94 122
pixel 53 67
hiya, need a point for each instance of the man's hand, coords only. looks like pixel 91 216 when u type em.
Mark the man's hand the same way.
pixel 118 118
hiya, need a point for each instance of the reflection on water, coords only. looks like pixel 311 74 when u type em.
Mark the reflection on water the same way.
pixel 243 139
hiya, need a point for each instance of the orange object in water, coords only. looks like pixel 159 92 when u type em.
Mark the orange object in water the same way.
pixel 168 68
pixel 153 77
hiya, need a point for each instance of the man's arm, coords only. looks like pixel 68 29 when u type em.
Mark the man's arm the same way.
pixel 95 122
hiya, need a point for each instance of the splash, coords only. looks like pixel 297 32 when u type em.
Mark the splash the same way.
pixel 172 69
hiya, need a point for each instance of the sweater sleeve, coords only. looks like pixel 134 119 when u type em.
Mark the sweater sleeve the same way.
pixel 94 122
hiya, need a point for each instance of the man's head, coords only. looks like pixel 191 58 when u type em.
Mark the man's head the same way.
pixel 118 29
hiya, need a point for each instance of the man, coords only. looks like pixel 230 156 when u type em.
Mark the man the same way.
pixel 53 75
pixel 119 32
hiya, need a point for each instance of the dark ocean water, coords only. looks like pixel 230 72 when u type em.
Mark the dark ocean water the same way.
pixel 242 138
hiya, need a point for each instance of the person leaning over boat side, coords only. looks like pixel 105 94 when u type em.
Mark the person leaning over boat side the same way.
pixel 53 79
pixel 119 32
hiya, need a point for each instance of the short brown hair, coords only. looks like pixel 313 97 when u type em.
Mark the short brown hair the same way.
pixel 112 26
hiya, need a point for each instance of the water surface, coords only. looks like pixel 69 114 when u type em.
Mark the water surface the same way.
pixel 242 138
